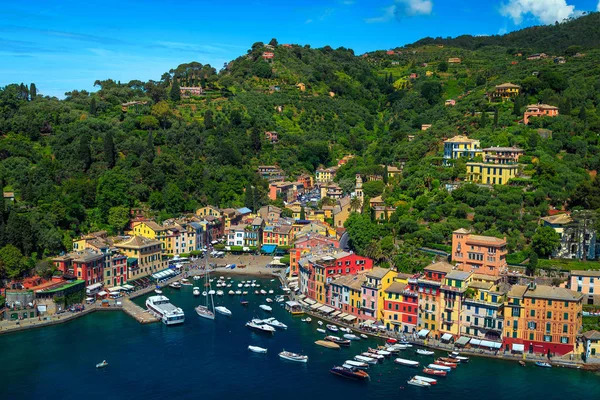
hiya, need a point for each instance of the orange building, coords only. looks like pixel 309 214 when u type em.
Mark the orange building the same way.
pixel 539 110
pixel 479 254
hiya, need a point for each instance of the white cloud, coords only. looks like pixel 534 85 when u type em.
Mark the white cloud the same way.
pixel 546 11
pixel 403 8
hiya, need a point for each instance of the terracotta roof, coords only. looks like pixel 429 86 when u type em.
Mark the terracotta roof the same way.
pixel 396 287
pixel 515 149
pixel 591 335
pixel 137 242
pixel 154 226
pixel 486 239
pixel 377 272
pixel 441 266
pixel 508 85
pixel 462 231
pixel 553 293
pixel 403 275
pixel 460 139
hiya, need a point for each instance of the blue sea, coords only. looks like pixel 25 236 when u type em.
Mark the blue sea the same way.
pixel 204 359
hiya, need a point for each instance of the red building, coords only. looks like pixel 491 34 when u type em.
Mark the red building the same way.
pixel 267 55
pixel 400 304
pixel 428 286
pixel 87 265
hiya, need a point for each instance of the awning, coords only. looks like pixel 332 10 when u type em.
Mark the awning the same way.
pixel 102 293
pixel 41 308
pixel 423 333
pixel 94 286
pixel 446 336
pixel 268 248
pixel 497 345
pixel 519 348
pixel 487 343
pixel 316 305
pixel 326 309
pixel 349 318
pixel 115 289
pixel 368 323
pixel 302 296
pixel 292 303
pixel 89 299
pixel 335 314
pixel 163 274
pixel 475 342
pixel 128 287
pixel 463 340
pixel 342 315
pixel 309 301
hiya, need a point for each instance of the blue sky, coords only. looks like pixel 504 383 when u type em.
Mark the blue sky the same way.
pixel 68 44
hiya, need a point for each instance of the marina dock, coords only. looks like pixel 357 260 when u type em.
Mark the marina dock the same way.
pixel 138 313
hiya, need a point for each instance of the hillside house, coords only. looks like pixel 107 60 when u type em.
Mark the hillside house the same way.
pixel 539 110
pixel 190 91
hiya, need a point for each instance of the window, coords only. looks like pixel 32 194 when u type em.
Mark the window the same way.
pixel 566 316
pixel 564 339
pixel 530 325
pixel 549 302
pixel 549 314
pixel 533 313
pixel 547 338
pixel 530 336
pixel 565 328
pixel 548 327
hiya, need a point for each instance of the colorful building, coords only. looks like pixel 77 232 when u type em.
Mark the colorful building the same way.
pixel 86 265
pixel 504 92
pixel 479 254
pixel 378 280
pixel 539 110
pixel 400 304
pixel 482 311
pixel 461 147
pixel 586 283
pixel 502 155
pixel 429 288
pixel 542 319
pixel 115 269
pixel 279 235
pixel 451 302
pixel 491 174
pixel 325 175
pixel 144 256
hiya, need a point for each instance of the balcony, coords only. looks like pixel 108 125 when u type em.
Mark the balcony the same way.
pixel 454 289
pixel 483 303
pixel 371 286
pixel 449 306
pixel 485 328
pixel 429 282
pixel 448 321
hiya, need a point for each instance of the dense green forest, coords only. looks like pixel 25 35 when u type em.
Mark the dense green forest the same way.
pixel 79 164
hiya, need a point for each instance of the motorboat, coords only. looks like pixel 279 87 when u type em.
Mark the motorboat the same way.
pixel 346 330
pixel 238 292
pixel 543 364
pixel 211 292
pixel 157 291
pixel 265 307
pixel 329 345
pixel 161 307
pixel 320 323
pixel 260 327
pixel 256 292
pixel 175 285
pixel 445 364
pixel 362 335
pixel 205 312
pixel 247 285
pixel 268 300
pixel 196 291
pixel 196 277
pixel 449 360
pixel 220 293
pixel 253 285
pixel 407 363
pixel 351 336
pixel 350 373
pixel 332 328
pixel 380 352
pixel 395 347
pixel 102 364
pixel 286 355
pixel 244 293
pixel 271 291
pixel 522 363
pixel 240 285
pixel 223 310
pixel 229 285
pixel 338 340
pixel 274 323
pixel 357 364
pixel 372 355
pixel 424 352
pixel 456 355
pixel 231 292
pixel 262 292
pixel 434 372
pixel 417 382
pixel 365 359
pixel 321 330
pixel 307 320
pixel 431 381
pixel 391 341
pixel 439 367
pixel 185 282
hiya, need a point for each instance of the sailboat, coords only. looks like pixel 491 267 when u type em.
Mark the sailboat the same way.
pixel 206 311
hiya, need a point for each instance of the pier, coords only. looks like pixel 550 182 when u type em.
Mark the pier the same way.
pixel 138 313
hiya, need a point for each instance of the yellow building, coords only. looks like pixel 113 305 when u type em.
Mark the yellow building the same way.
pixel 151 230
pixel 491 174
pixel 452 296
pixel 209 210
pixel 504 92
pixel 542 319
pixel 591 344
pixel 325 175
pixel 378 280
pixel 144 256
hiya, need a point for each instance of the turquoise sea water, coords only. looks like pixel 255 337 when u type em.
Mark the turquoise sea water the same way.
pixel 209 359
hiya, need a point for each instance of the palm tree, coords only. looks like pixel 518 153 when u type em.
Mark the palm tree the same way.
pixel 355 203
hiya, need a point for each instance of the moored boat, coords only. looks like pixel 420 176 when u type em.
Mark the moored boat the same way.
pixel 231 292
pixel 350 373
pixel 416 382
pixel 175 285
pixel 274 323
pixel 424 352
pixel 260 327
pixel 244 302
pixel 265 307
pixel 332 328
pixel 196 291
pixel 338 340
pixel 522 363
pixel 380 352
pixel 161 307
pixel 373 355
pixel 268 300
pixel 257 349
pixel 223 310
pixel 205 312
pixel 456 355
pixel 286 355
pixel 220 293
pixel 543 364
pixel 329 345
pixel 365 359
pixel 431 381
pixel 102 364
pixel 362 335
pixel 357 364
pixel 445 364
pixel 308 320
pixel 439 367
pixel 434 372
pixel 321 330
pixel 407 363
pixel 351 336
pixel 449 360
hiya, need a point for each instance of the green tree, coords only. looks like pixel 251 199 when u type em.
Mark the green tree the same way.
pixel 85 153
pixel 148 122
pixel 12 261
pixel 113 190
pixel 432 92
pixel 544 241
pixel 162 111
pixel 208 120
pixel 93 107
pixel 109 149
pixel 483 121
pixel 118 217
pixel 532 264
pixel 255 140
pixel 443 66
pixel 302 214
pixel 582 113
pixel 249 197
pixel 175 94
pixel 32 91
pixel 496 118
pixel 174 199
pixel 517 106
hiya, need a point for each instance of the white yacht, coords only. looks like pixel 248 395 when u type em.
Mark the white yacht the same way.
pixel 223 310
pixel 160 307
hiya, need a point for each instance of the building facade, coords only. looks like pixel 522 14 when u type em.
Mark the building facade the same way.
pixel 479 254
pixel 461 147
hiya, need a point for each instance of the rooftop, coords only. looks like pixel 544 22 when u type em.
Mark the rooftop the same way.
pixel 558 219
pixel 514 149
pixel 136 242
pixel 458 275
pixel 441 266
pixel 486 239
pixel 591 335
pixel 508 85
pixel 517 291
pixel 590 273
pixel 378 272
pixel 396 287
pixel 481 285
pixel 460 139
pixel 553 293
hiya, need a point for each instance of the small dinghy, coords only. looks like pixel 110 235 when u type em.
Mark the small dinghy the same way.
pixel 320 323
pixel 238 292
pixel 431 381
pixel 102 364
pixel 244 302
pixel 307 320
pixel 220 293
pixel 268 300
pixel 357 364
pixel 350 373
pixel 321 330
pixel 271 291
pixel 231 292
pixel 364 359
pixel 196 291
pixel 362 335
pixel 265 307
pixel 257 349
pixel 351 336
pixel 434 372
pixel 424 352
pixel 417 382
pixel 332 328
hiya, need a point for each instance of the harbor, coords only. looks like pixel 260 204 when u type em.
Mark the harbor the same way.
pixel 218 352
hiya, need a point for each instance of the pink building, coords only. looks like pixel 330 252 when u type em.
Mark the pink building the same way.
pixel 539 110
pixel 588 283
pixel 479 254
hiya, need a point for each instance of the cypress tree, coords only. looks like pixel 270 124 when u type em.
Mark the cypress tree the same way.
pixel 582 113
pixel 249 197
pixel 255 140
pixel 302 214
pixel 175 92
pixel 208 120
pixel 93 107
pixel 32 91
pixel 484 119
pixel 517 108
pixel 109 149
pixel 496 118
pixel 150 147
